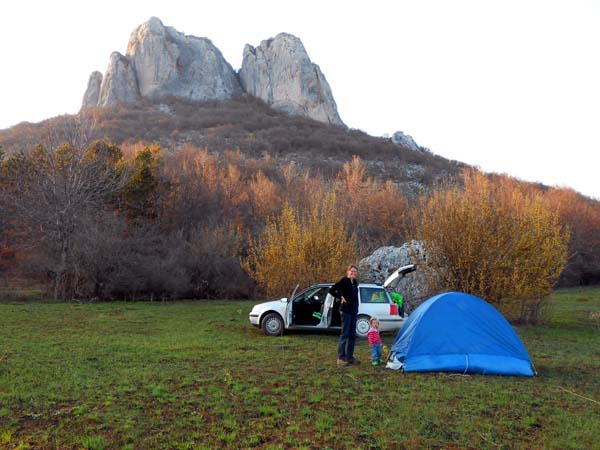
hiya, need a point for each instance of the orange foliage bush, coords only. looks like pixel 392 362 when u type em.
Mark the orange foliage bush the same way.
pixel 302 189
pixel 378 212
pixel 264 194
pixel 582 216
pixel 493 240
pixel 302 249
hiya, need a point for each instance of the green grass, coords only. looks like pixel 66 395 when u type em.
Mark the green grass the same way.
pixel 197 375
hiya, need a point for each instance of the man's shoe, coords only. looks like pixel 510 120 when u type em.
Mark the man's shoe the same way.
pixel 354 362
pixel 342 363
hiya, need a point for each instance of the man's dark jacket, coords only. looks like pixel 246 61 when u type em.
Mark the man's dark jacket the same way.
pixel 349 290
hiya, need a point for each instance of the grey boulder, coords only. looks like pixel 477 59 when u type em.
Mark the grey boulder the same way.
pixel 405 140
pixel 415 286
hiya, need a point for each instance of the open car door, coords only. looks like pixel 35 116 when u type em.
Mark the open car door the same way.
pixel 328 309
pixel 290 305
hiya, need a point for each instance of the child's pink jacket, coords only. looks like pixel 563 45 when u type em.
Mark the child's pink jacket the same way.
pixel 373 337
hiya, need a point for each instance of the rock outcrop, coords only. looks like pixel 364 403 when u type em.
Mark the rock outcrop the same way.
pixel 280 73
pixel 170 64
pixel 92 93
pixel 119 84
pixel 415 287
pixel 405 140
pixel 162 63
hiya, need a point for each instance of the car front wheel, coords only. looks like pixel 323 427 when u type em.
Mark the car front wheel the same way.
pixel 272 324
pixel 362 326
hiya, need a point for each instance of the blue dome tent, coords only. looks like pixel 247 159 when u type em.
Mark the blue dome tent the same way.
pixel 457 332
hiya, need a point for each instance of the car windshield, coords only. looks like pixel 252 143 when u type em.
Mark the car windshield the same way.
pixel 373 295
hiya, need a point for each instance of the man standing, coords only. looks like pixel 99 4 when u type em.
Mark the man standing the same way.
pixel 346 291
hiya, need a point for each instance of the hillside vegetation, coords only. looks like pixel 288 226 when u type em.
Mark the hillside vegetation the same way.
pixel 180 201
pixel 247 125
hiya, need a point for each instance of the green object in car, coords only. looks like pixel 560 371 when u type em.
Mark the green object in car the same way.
pixel 397 298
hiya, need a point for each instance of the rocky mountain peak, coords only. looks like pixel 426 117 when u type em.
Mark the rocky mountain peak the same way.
pixel 286 39
pixel 161 62
pixel 92 93
pixel 152 25
pixel 170 64
pixel 280 72
pixel 119 83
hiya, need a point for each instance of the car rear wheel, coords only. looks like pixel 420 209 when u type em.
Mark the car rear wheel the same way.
pixel 272 324
pixel 362 326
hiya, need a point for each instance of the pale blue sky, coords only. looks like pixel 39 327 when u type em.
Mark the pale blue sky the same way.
pixel 509 86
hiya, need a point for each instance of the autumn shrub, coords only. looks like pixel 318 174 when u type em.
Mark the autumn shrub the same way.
pixel 140 193
pixel 582 216
pixel 493 240
pixel 301 249
pixel 264 195
pixel 302 189
pixel 378 212
pixel 211 188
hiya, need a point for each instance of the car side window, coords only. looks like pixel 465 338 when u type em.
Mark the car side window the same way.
pixel 315 295
pixel 303 295
pixel 373 295
pixel 319 294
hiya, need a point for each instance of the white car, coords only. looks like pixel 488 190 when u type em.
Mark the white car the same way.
pixel 316 309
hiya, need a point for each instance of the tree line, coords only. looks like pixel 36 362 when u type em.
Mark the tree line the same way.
pixel 90 220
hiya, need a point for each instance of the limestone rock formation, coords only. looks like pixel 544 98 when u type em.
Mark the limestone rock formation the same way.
pixel 405 140
pixel 162 63
pixel 170 64
pixel 280 72
pixel 415 287
pixel 92 93
pixel 119 83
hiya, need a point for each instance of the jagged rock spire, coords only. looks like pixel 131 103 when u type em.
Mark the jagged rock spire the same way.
pixel 119 83
pixel 280 72
pixel 92 93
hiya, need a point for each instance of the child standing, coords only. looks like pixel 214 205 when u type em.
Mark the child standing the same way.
pixel 375 342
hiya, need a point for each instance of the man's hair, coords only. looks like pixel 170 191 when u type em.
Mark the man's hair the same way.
pixel 351 266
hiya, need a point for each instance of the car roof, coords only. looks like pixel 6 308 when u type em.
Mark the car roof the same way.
pixel 369 285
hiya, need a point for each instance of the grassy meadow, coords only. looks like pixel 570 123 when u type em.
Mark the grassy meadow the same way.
pixel 197 375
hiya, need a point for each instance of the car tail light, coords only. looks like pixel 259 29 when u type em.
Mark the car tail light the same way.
pixel 393 310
